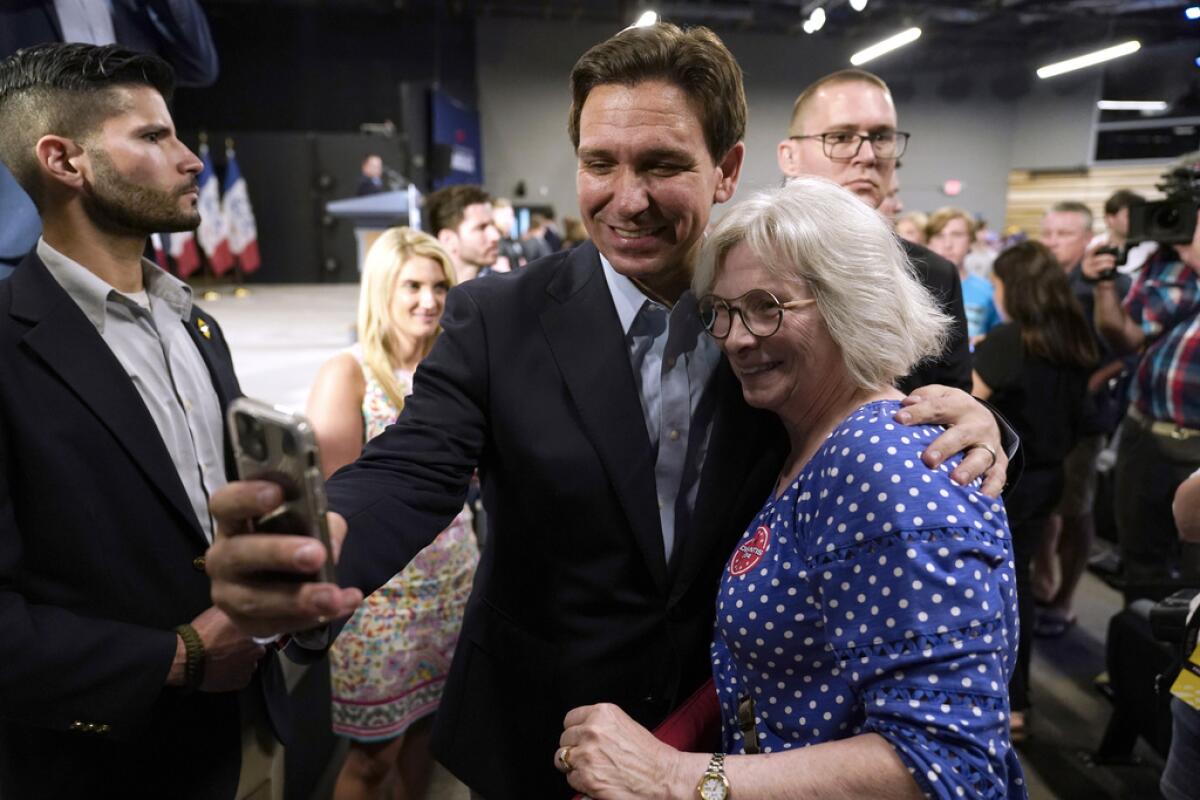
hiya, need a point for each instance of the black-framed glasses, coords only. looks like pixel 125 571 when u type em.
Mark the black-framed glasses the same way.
pixel 844 145
pixel 761 313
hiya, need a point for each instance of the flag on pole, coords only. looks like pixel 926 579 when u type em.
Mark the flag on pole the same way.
pixel 160 250
pixel 212 233
pixel 182 248
pixel 239 216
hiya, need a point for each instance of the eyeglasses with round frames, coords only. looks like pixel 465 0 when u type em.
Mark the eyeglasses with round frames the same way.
pixel 761 313
pixel 844 145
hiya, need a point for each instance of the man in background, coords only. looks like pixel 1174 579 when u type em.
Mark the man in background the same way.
pixel 1159 442
pixel 460 216
pixel 844 128
pixel 512 255
pixel 117 677
pixel 175 30
pixel 371 181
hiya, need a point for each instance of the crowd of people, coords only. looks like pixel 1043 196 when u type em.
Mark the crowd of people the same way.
pixel 733 473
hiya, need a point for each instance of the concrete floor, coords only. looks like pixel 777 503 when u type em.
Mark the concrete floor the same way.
pixel 280 335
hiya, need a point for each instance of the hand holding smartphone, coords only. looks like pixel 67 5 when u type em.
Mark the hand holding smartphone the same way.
pixel 277 446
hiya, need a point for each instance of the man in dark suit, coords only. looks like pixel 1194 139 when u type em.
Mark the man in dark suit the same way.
pixel 618 460
pixel 117 677
pixel 175 30
pixel 843 128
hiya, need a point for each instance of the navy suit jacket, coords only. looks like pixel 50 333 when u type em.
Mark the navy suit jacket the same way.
pixel 98 564
pixel 940 277
pixel 574 601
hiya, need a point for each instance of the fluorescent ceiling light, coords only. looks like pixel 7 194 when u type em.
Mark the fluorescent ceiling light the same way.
pixel 858 5
pixel 1090 59
pixel 816 20
pixel 647 19
pixel 1132 105
pixel 886 46
pixel 1191 12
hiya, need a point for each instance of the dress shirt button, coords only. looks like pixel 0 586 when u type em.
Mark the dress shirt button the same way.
pixel 675 436
pixel 187 404
pixel 670 363
pixel 198 563
pixel 660 504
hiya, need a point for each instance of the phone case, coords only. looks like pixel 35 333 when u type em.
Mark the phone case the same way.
pixel 274 445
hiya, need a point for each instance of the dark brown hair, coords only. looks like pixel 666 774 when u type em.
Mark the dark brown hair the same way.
pixel 66 90
pixel 1038 298
pixel 444 209
pixel 695 60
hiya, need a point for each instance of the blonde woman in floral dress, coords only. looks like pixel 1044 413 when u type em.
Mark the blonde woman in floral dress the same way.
pixel 389 664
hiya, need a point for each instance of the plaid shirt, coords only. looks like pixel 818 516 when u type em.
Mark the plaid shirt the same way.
pixel 1165 301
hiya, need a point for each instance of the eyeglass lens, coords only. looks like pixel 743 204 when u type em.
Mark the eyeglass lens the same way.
pixel 760 311
pixel 885 144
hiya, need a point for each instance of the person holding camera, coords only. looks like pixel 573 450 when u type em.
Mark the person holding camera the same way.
pixel 1160 435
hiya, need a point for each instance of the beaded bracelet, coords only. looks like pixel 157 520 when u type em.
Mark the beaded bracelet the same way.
pixel 193 667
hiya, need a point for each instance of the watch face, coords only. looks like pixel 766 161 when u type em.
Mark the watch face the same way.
pixel 714 787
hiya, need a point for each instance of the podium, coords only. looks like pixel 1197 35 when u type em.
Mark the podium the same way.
pixel 373 214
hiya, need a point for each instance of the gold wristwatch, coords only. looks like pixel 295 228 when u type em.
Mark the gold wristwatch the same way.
pixel 714 785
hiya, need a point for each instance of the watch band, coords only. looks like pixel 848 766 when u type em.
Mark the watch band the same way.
pixel 714 785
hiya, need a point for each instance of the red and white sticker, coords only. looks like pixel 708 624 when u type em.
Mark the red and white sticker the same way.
pixel 750 552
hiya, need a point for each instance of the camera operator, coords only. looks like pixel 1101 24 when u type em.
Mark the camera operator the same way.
pixel 1160 435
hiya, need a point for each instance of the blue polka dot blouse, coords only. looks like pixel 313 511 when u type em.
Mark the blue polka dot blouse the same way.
pixel 875 596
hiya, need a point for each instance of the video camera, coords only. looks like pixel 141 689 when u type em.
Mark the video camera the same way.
pixel 1171 220
pixel 1168 221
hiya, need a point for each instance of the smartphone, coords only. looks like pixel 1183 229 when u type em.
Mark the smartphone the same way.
pixel 278 446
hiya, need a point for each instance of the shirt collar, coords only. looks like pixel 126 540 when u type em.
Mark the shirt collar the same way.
pixel 627 297
pixel 91 293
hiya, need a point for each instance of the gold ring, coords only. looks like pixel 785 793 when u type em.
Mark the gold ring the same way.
pixel 990 450
pixel 563 752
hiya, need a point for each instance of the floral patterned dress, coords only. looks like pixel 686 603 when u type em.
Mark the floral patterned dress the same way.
pixel 389 664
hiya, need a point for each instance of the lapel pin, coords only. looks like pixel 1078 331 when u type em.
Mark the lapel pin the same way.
pixel 204 330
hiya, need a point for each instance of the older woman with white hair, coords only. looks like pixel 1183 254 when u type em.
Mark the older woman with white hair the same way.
pixel 866 621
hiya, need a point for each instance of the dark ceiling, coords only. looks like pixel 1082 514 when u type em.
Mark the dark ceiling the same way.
pixel 955 32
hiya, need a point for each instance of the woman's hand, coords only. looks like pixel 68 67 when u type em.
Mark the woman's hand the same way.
pixel 607 756
pixel 970 426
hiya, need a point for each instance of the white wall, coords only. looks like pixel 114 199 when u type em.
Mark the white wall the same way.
pixel 524 65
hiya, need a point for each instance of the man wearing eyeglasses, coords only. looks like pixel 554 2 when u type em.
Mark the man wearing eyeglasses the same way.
pixel 844 128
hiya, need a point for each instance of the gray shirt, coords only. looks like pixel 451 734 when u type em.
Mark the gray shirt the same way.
pixel 146 332
pixel 673 363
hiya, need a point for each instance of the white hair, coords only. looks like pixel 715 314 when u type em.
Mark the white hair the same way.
pixel 814 232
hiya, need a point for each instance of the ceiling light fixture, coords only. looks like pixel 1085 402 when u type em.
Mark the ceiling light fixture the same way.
pixel 1192 12
pixel 1089 59
pixel 1132 105
pixel 886 46
pixel 816 20
pixel 858 5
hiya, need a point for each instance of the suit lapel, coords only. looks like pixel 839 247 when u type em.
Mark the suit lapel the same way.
pixel 584 333
pixel 745 451
pixel 209 342
pixel 67 342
